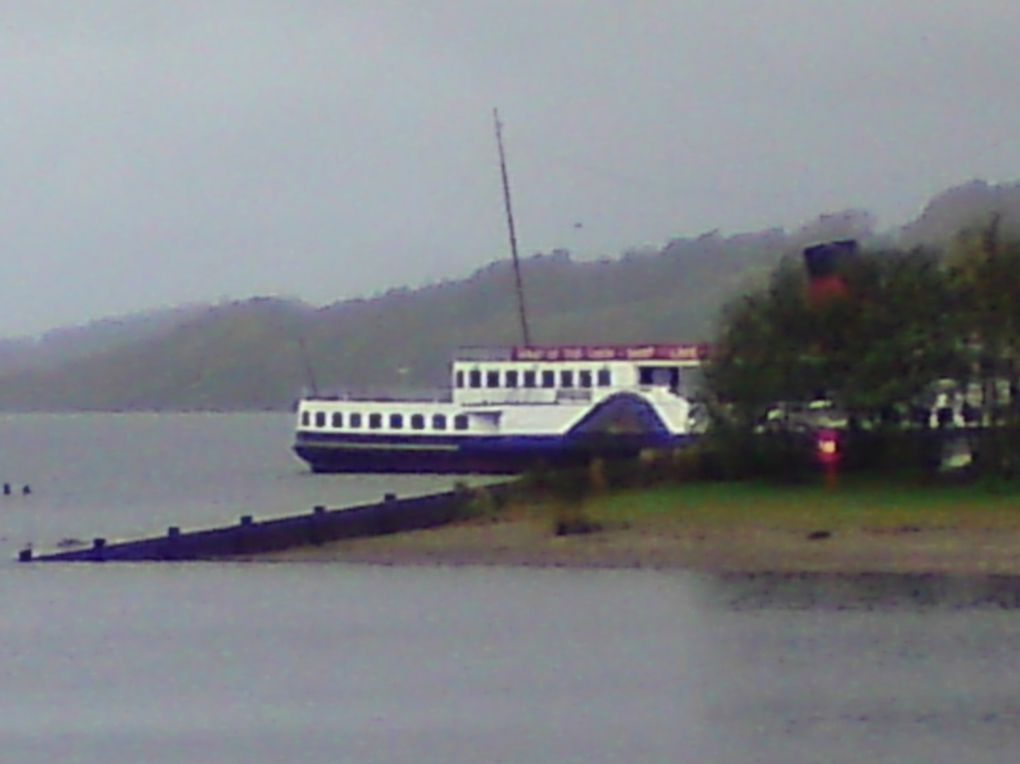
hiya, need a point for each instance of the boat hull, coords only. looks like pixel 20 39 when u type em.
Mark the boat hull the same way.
pixel 496 455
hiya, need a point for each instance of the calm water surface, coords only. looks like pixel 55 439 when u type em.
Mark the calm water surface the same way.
pixel 125 475
pixel 232 662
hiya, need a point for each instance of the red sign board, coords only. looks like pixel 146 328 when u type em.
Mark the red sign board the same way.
pixel 685 352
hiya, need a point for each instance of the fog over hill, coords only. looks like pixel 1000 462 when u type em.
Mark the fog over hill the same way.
pixel 65 344
pixel 261 353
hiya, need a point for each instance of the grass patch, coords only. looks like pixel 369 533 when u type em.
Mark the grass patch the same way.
pixel 861 503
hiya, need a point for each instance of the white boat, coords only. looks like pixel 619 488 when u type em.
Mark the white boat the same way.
pixel 509 409
pixel 512 408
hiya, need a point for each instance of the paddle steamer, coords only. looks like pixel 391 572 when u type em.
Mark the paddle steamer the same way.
pixel 512 408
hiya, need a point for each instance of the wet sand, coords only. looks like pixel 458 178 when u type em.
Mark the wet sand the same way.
pixel 964 549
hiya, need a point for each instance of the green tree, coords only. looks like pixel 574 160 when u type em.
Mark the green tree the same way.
pixel 893 335
pixel 872 350
pixel 985 272
pixel 762 352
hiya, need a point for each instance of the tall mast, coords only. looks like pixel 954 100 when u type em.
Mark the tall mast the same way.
pixel 510 227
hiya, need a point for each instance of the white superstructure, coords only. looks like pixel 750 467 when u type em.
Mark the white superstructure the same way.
pixel 512 400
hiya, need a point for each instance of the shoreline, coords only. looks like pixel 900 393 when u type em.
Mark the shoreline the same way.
pixel 861 526
pixel 743 549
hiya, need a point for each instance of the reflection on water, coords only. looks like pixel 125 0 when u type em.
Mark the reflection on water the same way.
pixel 863 668
pixel 861 591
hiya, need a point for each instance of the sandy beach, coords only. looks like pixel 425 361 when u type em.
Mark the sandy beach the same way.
pixel 972 546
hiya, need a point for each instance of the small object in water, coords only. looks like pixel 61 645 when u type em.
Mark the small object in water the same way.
pixel 7 489
pixel 819 535
pixel 26 490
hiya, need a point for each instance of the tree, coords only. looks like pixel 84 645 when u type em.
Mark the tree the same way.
pixel 871 349
pixel 762 353
pixel 893 335
pixel 985 272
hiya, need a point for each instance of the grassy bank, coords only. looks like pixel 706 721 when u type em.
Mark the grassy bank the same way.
pixel 861 503
pixel 860 525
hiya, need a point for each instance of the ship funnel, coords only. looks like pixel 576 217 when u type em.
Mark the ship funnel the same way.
pixel 823 263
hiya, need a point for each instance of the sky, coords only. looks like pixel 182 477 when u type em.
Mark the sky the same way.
pixel 155 154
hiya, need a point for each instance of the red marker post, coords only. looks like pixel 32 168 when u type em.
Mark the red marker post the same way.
pixel 827 452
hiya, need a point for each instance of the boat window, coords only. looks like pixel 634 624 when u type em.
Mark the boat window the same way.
pixel 511 378
pixel 492 379
pixel 355 421
pixel 663 376
pixel 529 378
pixel 566 378
pixel 584 378
pixel 548 379
pixel 458 378
pixel 475 378
pixel 439 421
pixel 460 422
pixel 338 419
pixel 396 421
pixel 374 421
pixel 320 418
pixel 605 379
pixel 417 422
pixel 306 419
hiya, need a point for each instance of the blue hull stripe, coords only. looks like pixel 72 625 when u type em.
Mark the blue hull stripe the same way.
pixel 328 452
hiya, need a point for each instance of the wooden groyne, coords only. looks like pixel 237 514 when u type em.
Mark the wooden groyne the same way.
pixel 250 536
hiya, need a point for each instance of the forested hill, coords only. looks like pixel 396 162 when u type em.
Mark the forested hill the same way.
pixel 258 353
pixel 261 353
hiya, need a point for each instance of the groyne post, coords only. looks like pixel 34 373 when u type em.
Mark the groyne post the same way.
pixel 315 525
pixel 242 543
pixel 172 548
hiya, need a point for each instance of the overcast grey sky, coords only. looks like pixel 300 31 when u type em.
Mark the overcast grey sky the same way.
pixel 160 153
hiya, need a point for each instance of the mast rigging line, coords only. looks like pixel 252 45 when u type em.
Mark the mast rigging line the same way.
pixel 522 311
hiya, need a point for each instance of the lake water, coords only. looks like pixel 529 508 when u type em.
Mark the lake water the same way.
pixel 126 475
pixel 250 662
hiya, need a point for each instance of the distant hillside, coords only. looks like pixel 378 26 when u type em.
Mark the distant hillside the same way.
pixel 249 354
pixel 227 357
pixel 256 354
pixel 966 206
pixel 70 343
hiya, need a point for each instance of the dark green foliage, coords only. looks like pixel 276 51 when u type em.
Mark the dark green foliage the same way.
pixel 986 270
pixel 879 346
pixel 906 322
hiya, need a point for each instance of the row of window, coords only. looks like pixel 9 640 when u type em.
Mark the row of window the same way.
pixel 356 420
pixel 514 378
